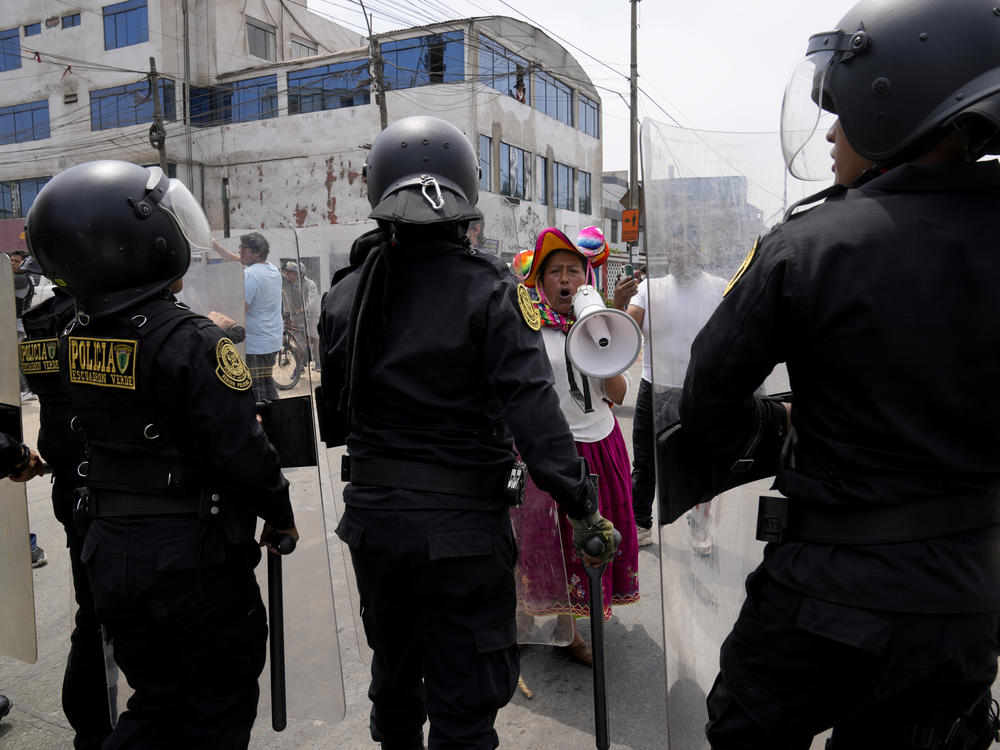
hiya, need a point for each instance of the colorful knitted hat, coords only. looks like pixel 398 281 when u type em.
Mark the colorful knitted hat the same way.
pixel 549 241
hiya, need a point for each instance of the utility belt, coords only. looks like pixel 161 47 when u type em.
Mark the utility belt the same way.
pixel 782 519
pixel 421 477
pixel 206 505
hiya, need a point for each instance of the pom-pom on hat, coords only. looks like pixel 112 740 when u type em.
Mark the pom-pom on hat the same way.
pixel 592 244
pixel 520 266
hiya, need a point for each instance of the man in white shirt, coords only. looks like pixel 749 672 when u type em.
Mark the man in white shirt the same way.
pixel 681 303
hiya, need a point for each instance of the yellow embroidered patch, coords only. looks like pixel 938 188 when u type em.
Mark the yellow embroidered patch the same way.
pixel 109 363
pixel 743 267
pixel 528 310
pixel 231 369
pixel 39 356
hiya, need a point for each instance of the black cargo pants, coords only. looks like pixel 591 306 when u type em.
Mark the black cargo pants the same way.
pixel 437 601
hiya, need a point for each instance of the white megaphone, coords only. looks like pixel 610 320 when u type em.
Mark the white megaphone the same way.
pixel 603 342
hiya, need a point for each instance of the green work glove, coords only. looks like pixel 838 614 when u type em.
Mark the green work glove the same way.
pixel 591 531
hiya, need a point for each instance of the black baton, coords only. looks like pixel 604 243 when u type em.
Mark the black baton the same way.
pixel 595 547
pixel 276 620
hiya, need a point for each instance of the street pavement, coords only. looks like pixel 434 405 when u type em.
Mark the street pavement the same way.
pixel 559 715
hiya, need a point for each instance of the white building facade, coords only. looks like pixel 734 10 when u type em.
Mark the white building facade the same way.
pixel 269 111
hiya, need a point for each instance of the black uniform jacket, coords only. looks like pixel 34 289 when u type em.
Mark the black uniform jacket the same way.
pixel 199 404
pixel 883 302
pixel 455 370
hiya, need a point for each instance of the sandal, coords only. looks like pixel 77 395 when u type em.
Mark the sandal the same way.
pixel 579 651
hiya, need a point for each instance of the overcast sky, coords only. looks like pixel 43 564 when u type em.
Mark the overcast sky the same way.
pixel 705 64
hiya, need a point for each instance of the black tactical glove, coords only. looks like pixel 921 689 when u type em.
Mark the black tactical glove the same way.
pixel 595 536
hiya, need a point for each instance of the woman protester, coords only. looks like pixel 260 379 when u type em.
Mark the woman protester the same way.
pixel 557 269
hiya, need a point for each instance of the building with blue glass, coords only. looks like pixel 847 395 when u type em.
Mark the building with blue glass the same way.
pixel 269 110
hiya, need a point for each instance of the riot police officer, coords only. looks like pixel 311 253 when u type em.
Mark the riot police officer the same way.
pixel 876 610
pixel 84 696
pixel 177 467
pixel 432 360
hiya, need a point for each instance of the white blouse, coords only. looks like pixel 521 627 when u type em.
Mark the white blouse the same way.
pixel 586 428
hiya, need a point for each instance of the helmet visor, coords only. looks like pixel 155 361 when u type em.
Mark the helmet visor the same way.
pixel 804 121
pixel 183 207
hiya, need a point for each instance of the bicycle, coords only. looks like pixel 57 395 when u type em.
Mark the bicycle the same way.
pixel 290 363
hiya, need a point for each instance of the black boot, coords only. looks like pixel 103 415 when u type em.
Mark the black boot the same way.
pixel 5 705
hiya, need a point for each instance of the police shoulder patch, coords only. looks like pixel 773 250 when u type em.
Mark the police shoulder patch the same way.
pixel 743 267
pixel 230 367
pixel 528 310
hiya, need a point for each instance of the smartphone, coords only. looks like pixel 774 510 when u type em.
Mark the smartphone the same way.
pixel 628 270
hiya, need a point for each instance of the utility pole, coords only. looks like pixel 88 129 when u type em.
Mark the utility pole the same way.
pixel 157 133
pixel 633 165
pixel 378 86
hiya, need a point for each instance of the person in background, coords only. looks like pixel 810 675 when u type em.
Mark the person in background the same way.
pixel 680 302
pixel 85 696
pixel 264 326
pixel 302 302
pixel 24 291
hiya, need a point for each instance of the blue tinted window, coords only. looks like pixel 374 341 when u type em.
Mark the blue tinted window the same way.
pixel 504 71
pixel 33 28
pixel 131 104
pixel 583 191
pixel 553 98
pixel 240 101
pixel 125 24
pixel 24 122
pixel 562 186
pixel 10 49
pixel 485 163
pixel 587 116
pixel 73 19
pixel 438 58
pixel 515 172
pixel 343 84
pixel 17 196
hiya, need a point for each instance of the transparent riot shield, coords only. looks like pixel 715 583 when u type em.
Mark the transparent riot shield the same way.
pixel 214 286
pixel 17 613
pixel 706 202
pixel 544 615
pixel 313 680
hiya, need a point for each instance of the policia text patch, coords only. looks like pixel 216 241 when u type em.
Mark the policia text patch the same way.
pixel 39 357
pixel 104 362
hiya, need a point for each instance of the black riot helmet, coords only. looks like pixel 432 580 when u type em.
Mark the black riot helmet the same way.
pixel 422 170
pixel 898 74
pixel 113 233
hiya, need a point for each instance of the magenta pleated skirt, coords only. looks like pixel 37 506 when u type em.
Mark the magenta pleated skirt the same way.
pixel 551 576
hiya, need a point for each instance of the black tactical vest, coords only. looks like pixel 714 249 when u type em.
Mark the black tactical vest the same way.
pixel 108 368
pixel 60 445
